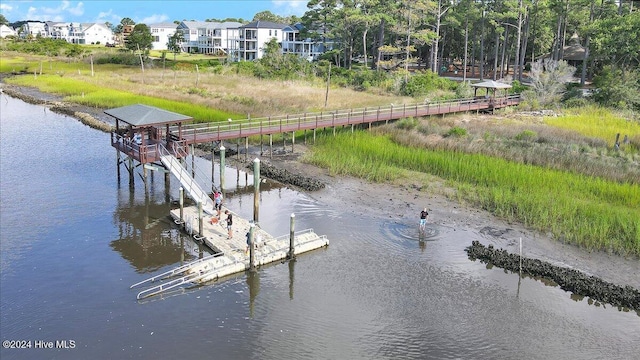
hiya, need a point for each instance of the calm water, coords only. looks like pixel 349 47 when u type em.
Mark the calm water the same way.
pixel 73 240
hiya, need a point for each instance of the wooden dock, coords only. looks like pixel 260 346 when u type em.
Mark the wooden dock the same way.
pixel 230 254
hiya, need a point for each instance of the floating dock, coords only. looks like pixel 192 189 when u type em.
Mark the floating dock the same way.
pixel 230 254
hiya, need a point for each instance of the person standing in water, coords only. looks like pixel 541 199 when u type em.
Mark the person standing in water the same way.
pixel 423 219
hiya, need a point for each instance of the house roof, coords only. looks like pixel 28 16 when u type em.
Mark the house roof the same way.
pixel 264 25
pixel 492 85
pixel 209 25
pixel 166 25
pixel 144 115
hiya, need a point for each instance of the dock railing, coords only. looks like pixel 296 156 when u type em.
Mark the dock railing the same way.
pixel 192 184
pixel 192 133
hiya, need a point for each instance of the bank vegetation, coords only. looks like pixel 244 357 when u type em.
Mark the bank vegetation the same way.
pixel 563 175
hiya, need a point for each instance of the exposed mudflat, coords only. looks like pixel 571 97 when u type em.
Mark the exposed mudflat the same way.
pixel 404 201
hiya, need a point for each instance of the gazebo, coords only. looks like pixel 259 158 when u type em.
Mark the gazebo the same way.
pixel 142 134
pixel 491 85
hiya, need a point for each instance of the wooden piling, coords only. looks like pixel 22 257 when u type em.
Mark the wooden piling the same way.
pixel 213 165
pixel 292 223
pixel 222 168
pixel 256 189
pixel 193 161
pixel 200 220
pixel 118 164
pixel 252 260
pixel 181 191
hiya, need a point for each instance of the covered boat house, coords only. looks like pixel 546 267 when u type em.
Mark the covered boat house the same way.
pixel 142 134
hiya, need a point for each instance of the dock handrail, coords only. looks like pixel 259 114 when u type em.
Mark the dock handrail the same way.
pixel 301 232
pixel 189 183
pixel 294 122
pixel 178 270
pixel 190 278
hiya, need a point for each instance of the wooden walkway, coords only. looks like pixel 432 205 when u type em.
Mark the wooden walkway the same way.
pixel 211 132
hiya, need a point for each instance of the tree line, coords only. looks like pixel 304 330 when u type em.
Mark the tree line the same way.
pixel 491 36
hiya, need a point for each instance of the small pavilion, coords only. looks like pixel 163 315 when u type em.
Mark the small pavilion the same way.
pixel 142 134
pixel 491 85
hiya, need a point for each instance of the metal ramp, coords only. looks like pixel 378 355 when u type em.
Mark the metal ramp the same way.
pixel 188 182
pixel 199 271
pixel 179 270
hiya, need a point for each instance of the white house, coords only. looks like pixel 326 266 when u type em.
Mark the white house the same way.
pixel 207 37
pixel 249 44
pixel 6 31
pixel 57 30
pixel 33 28
pixel 79 33
pixel 161 32
pixel 307 48
pixel 96 33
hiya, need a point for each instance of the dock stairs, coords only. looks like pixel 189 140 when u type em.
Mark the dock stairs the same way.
pixel 188 182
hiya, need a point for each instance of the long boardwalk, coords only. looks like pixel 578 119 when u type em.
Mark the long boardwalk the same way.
pixel 210 132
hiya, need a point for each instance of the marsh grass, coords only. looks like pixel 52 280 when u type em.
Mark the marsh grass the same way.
pixel 225 90
pixel 592 212
pixel 523 139
pixel 598 123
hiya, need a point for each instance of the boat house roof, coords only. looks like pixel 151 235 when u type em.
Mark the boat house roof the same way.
pixel 140 115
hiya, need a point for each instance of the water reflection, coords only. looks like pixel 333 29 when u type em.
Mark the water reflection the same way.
pixel 253 283
pixel 146 236
pixel 377 291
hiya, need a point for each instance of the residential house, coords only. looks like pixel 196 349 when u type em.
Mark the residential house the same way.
pixel 57 30
pixel 206 37
pixel 96 33
pixel 6 31
pixel 126 31
pixel 250 40
pixel 305 47
pixel 161 32
pixel 79 33
pixel 33 29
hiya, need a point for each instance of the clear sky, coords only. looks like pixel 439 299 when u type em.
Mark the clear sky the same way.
pixel 144 11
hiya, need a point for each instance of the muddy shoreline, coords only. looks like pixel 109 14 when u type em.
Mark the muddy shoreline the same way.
pixel 391 201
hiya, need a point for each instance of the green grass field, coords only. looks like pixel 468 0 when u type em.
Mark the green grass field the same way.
pixel 590 212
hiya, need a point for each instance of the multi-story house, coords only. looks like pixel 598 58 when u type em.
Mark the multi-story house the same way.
pixel 6 31
pixel 79 33
pixel 57 30
pixel 207 37
pixel 161 32
pixel 95 33
pixel 249 44
pixel 33 29
pixel 305 47
pixel 126 31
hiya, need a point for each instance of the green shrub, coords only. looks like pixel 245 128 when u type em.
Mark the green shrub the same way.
pixel 456 131
pixel 517 87
pixel 527 135
pixel 576 102
pixel 407 123
pixel 425 82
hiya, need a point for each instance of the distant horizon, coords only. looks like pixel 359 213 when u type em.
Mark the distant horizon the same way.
pixel 144 11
